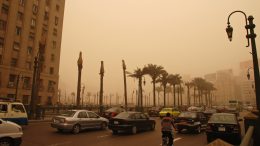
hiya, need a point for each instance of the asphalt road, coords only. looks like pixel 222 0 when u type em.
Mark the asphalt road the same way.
pixel 41 134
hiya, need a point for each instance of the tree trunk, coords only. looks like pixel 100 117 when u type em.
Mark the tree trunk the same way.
pixel 154 103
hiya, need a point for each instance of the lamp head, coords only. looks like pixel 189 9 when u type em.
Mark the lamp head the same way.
pixel 229 31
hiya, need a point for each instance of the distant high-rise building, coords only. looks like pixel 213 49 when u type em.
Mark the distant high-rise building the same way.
pixel 23 24
pixel 247 84
pixel 224 83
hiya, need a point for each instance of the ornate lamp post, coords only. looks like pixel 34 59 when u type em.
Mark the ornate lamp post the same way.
pixel 80 66
pixel 252 37
pixel 124 68
pixel 101 88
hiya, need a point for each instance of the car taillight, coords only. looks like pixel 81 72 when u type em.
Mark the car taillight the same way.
pixel 113 114
pixel 208 128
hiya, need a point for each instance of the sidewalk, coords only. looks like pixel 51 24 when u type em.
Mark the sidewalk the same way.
pixel 46 119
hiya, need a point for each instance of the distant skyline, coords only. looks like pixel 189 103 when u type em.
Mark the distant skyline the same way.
pixel 185 37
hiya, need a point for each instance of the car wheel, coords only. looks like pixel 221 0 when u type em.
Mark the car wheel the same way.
pixel 76 129
pixel 115 132
pixel 6 142
pixel 134 130
pixel 152 126
pixel 103 125
pixel 198 130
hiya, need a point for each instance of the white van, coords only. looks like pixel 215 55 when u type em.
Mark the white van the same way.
pixel 10 133
pixel 13 111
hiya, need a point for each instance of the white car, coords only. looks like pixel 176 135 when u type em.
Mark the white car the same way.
pixel 10 133
pixel 78 120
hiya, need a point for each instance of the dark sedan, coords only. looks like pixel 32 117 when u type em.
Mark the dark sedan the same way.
pixel 191 121
pixel 224 126
pixel 131 122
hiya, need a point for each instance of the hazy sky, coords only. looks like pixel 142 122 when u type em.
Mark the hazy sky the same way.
pixel 184 36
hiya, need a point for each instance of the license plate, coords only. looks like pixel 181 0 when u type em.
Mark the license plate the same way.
pixel 221 129
pixel 115 122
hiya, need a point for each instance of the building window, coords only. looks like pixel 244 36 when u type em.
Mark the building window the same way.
pixel 36 2
pixel 14 62
pixel 26 83
pixel 56 20
pixel 31 36
pixel 35 9
pixel 47 2
pixel 11 82
pixel 46 15
pixel 2 25
pixel 21 3
pixel 55 32
pixel 51 70
pixel 44 32
pixel 1 45
pixel 1 59
pixel 16 46
pixel 26 99
pixel 29 50
pixel 5 9
pixel 18 30
pixel 29 65
pixel 57 8
pixel 33 23
pixel 54 44
pixel 52 57
pixel 51 85
pixel 19 16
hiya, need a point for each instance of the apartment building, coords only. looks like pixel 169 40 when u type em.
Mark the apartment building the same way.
pixel 23 25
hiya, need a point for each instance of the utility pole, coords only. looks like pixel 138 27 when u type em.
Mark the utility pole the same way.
pixel 125 89
pixel 80 66
pixel 101 88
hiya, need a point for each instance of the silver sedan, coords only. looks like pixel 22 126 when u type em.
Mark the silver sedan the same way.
pixel 77 120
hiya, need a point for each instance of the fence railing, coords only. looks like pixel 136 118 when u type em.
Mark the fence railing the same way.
pixel 247 140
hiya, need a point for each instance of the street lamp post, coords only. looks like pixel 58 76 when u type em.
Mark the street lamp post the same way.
pixel 125 89
pixel 252 37
pixel 101 88
pixel 80 66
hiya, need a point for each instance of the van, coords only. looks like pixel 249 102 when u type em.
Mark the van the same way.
pixel 10 133
pixel 13 111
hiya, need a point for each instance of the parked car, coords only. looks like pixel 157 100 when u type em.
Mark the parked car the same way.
pixel 13 111
pixel 208 112
pixel 10 133
pixel 224 126
pixel 154 111
pixel 195 108
pixel 77 120
pixel 131 121
pixel 191 121
pixel 112 112
pixel 173 111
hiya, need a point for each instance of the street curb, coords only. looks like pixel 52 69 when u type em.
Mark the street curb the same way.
pixel 39 121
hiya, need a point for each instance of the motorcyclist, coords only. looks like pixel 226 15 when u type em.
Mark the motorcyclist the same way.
pixel 167 128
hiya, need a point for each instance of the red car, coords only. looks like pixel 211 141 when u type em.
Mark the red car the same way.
pixel 112 112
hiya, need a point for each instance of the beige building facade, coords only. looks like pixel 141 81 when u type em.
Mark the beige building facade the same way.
pixel 23 24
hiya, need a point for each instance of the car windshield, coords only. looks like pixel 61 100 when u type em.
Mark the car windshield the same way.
pixel 229 119
pixel 187 115
pixel 123 115
pixel 68 113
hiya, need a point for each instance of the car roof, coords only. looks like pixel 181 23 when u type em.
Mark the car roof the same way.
pixel 228 114
pixel 80 110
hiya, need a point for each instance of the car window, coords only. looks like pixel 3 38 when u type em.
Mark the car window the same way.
pixel 82 115
pixel 138 116
pixel 18 108
pixel 3 108
pixel 143 116
pixel 223 119
pixel 187 115
pixel 92 115
pixel 124 115
pixel 68 113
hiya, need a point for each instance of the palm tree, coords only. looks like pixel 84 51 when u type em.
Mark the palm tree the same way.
pixel 199 84
pixel 174 80
pixel 154 72
pixel 163 79
pixel 138 73
pixel 158 89
pixel 188 85
pixel 168 90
